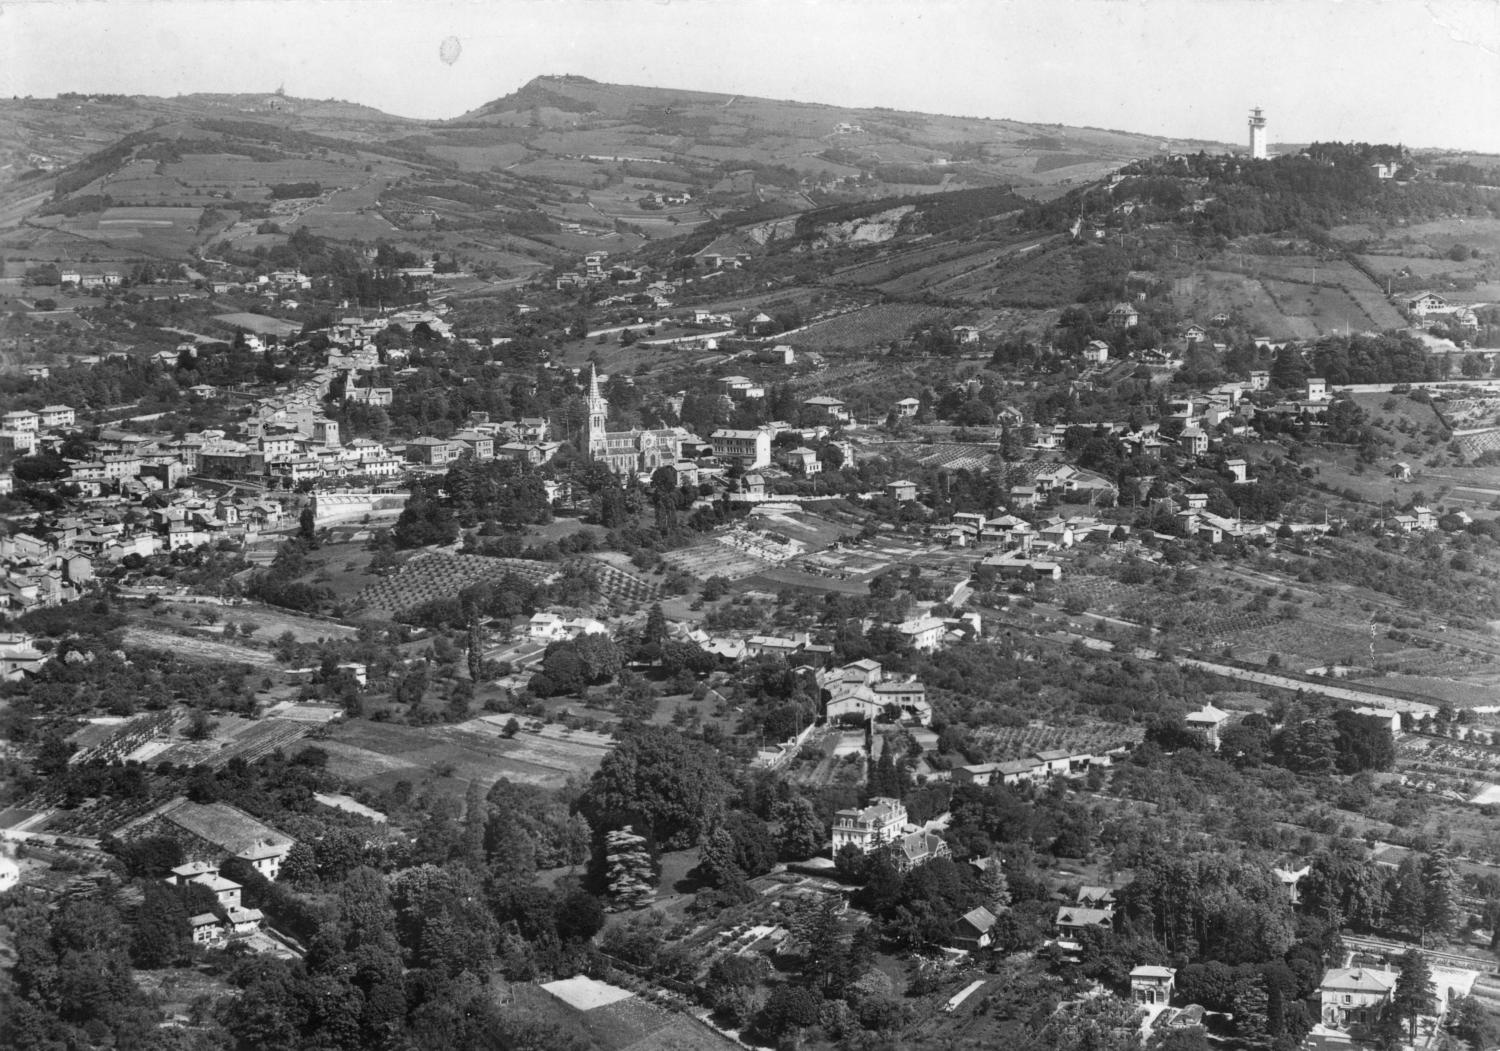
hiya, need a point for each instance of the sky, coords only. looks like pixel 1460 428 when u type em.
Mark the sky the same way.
pixel 1422 72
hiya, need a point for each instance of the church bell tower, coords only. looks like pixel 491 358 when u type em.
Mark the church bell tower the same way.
pixel 598 416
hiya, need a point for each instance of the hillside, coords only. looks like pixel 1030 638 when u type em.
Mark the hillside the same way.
pixel 561 166
pixel 579 117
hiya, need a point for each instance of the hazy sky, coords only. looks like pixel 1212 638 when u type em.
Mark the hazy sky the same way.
pixel 1423 72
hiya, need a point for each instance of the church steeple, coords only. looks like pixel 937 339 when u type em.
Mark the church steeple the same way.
pixel 598 414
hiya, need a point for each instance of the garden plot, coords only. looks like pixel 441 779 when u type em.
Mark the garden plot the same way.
pixel 1012 742
pixel 260 324
pixel 475 751
pixel 586 994
pixel 1467 769
pixel 965 456
pixel 712 559
pixel 1467 413
pixel 434 576
pixel 362 765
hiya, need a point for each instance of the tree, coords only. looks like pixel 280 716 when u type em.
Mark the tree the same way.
pixel 754 846
pixel 629 874
pixel 731 987
pixel 1471 1022
pixel 1439 911
pixel 789 1008
pixel 656 626
pixel 1415 994
pixel 442 919
pixel 1251 1009
pixel 1409 897
pixel 802 834
pixel 579 916
pixel 671 787
pixel 994 887
pixel 160 929
pixel 716 862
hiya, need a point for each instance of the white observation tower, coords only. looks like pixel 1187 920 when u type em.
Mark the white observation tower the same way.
pixel 1257 135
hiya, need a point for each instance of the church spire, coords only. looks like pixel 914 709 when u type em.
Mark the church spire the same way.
pixel 598 416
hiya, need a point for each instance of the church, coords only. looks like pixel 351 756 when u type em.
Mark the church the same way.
pixel 625 452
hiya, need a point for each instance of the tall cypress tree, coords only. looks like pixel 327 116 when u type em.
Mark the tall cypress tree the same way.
pixel 1440 911
pixel 1415 994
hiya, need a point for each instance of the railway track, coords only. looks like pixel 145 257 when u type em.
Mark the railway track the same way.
pixel 1388 947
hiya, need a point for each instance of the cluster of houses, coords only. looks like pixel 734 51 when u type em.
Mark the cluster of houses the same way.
pixel 1418 520
pixel 229 917
pixel 270 285
pixel 209 834
pixel 22 430
pixel 863 692
pixel 52 559
pixel 70 278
